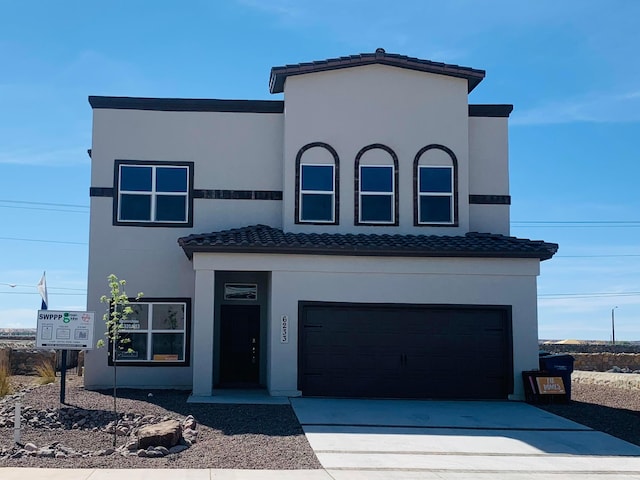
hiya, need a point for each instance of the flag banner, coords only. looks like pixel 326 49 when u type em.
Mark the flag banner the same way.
pixel 42 288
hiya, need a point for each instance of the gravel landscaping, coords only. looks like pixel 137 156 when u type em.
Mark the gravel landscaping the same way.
pixel 227 436
pixel 609 402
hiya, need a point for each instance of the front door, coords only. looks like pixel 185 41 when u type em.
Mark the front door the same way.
pixel 240 345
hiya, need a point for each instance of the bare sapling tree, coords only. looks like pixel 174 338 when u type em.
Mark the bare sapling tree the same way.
pixel 115 318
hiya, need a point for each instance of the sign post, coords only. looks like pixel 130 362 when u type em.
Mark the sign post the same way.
pixel 67 331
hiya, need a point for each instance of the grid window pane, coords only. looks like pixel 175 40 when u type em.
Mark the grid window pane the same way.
pixel 135 207
pixel 135 179
pixel 435 179
pixel 316 207
pixel 168 316
pixel 376 179
pixel 171 179
pixel 137 342
pixel 317 177
pixel 168 346
pixel 376 208
pixel 140 315
pixel 435 209
pixel 171 208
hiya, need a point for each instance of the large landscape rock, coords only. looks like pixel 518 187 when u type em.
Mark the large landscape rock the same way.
pixel 166 434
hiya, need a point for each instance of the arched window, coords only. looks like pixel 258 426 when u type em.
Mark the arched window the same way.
pixel 435 173
pixel 376 186
pixel 317 181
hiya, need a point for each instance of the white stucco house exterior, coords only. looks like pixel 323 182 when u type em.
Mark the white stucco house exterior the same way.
pixel 350 240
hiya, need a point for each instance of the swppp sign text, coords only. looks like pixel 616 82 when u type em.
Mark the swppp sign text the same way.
pixel 65 330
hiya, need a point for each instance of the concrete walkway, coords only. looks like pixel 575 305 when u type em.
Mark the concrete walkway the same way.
pixel 396 439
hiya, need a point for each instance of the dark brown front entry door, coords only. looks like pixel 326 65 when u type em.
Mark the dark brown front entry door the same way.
pixel 240 344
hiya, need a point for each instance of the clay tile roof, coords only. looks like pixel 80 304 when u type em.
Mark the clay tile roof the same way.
pixel 265 239
pixel 280 74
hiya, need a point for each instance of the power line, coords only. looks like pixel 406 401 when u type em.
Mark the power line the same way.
pixel 36 293
pixel 45 203
pixel 13 285
pixel 577 221
pixel 43 209
pixel 588 295
pixel 598 256
pixel 43 241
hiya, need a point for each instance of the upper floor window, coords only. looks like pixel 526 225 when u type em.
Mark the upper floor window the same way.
pixel 156 332
pixel 317 184
pixel 435 186
pixel 157 193
pixel 317 195
pixel 435 203
pixel 376 186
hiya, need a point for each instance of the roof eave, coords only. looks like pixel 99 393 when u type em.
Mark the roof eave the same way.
pixel 279 74
pixel 190 250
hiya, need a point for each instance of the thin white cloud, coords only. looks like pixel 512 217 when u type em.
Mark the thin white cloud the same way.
pixel 592 108
pixel 64 157
pixel 286 9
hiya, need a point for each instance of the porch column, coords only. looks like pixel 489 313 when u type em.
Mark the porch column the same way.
pixel 202 354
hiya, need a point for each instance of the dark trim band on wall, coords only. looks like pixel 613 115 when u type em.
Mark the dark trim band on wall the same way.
pixel 101 192
pixel 238 194
pixel 356 187
pixel 496 111
pixel 416 199
pixel 490 199
pixel 187 104
pixel 336 186
pixel 209 194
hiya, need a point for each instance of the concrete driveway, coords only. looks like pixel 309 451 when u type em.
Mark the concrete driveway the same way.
pixel 394 439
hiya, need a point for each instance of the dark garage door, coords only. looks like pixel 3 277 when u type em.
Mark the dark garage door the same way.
pixel 405 351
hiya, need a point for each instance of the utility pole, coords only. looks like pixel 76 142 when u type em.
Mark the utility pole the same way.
pixel 613 326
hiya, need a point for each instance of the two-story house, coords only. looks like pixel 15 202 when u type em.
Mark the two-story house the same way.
pixel 323 245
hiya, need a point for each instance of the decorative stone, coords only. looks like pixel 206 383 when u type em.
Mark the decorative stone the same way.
pixel 189 423
pixel 46 452
pixel 163 450
pixel 104 453
pixel 142 453
pixel 30 447
pixel 166 434
pixel 178 449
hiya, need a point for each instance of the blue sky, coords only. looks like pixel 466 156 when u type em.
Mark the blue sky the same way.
pixel 571 69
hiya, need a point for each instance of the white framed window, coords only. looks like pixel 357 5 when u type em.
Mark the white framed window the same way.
pixel 435 195
pixel 376 195
pixel 157 332
pixel 317 193
pixel 153 193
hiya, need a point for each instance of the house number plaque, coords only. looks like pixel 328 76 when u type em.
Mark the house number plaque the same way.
pixel 284 329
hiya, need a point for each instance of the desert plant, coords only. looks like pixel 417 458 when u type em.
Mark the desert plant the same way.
pixel 5 380
pixel 115 318
pixel 46 372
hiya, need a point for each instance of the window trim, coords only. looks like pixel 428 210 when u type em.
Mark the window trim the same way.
pixel 454 187
pixel 150 223
pixel 159 363
pixel 298 185
pixel 394 222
